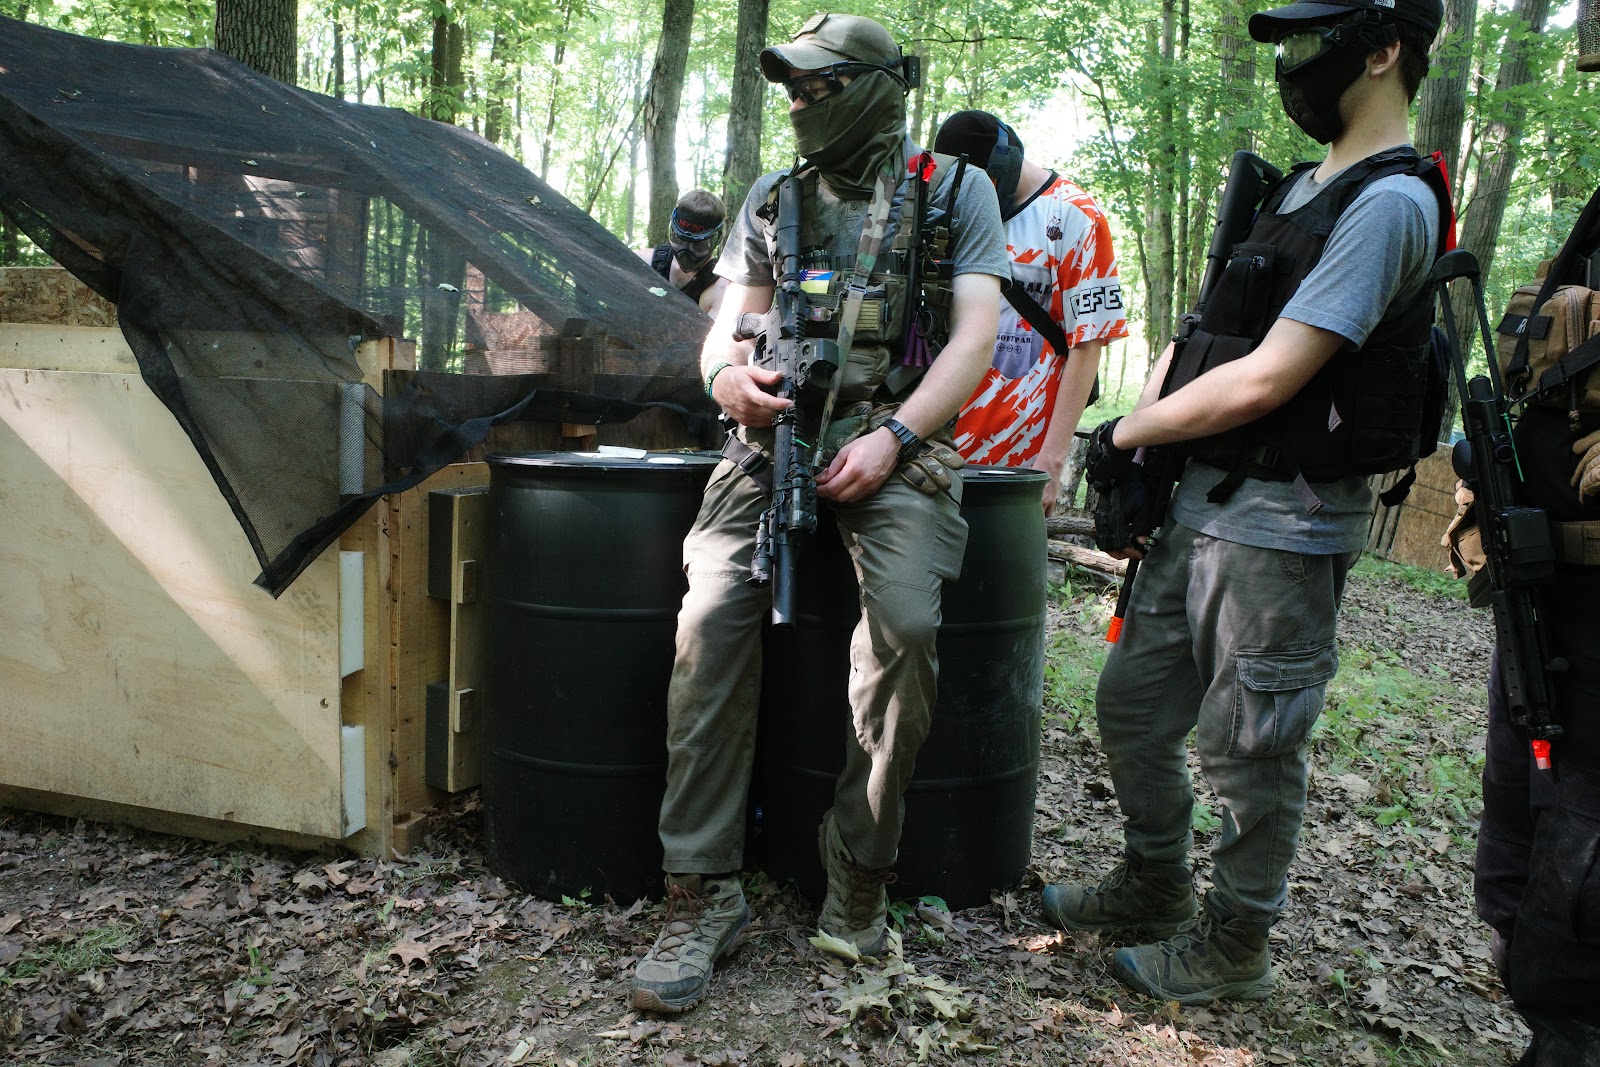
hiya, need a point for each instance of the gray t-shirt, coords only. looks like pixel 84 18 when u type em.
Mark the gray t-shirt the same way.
pixel 975 228
pixel 1374 265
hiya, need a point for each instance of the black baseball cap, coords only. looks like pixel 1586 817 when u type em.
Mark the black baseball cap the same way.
pixel 1268 26
pixel 973 134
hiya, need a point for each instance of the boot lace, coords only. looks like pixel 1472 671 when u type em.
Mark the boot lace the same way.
pixel 861 886
pixel 1115 879
pixel 1196 931
pixel 684 907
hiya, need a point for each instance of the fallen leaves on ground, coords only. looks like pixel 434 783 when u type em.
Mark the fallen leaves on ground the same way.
pixel 129 948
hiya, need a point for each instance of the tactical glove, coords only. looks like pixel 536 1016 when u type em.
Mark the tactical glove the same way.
pixel 1105 464
pixel 1586 477
pixel 1122 513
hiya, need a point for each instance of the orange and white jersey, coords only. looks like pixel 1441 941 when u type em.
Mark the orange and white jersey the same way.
pixel 1061 256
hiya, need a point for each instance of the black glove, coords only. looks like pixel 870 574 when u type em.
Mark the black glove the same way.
pixel 1125 512
pixel 1105 464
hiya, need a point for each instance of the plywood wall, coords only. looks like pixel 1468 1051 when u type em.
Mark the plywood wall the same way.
pixel 141 665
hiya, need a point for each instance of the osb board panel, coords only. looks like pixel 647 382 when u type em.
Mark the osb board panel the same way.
pixel 79 348
pixel 421 635
pixel 51 295
pixel 1399 533
pixel 141 665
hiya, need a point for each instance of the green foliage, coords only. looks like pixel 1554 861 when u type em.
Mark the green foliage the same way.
pixel 1400 734
pixel 1433 583
pixel 1072 664
pixel 1155 96
pixel 81 953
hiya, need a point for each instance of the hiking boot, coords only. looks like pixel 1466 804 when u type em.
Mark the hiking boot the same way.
pixel 856 908
pixel 1137 902
pixel 1218 957
pixel 707 918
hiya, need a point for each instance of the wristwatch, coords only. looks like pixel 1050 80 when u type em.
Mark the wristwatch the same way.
pixel 910 443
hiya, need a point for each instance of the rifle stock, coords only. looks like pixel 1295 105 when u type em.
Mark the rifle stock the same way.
pixel 1517 546
pixel 1249 176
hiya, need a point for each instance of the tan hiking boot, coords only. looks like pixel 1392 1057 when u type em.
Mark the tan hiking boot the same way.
pixel 707 918
pixel 1218 957
pixel 856 908
pixel 1137 902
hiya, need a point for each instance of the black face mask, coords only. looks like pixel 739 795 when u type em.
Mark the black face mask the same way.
pixel 1311 94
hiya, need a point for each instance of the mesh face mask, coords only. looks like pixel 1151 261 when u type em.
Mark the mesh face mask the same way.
pixel 1314 68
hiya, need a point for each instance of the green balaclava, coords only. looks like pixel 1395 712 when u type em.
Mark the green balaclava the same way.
pixel 854 133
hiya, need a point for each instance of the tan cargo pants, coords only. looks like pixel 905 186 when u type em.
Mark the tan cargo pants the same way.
pixel 904 545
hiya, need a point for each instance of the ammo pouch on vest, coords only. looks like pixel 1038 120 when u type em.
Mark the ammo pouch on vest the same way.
pixel 1549 341
pixel 873 368
pixel 1552 353
pixel 1373 410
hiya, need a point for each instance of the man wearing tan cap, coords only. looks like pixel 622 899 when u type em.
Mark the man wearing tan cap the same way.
pixel 886 471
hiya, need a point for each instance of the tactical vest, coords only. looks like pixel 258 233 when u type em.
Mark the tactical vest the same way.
pixel 1364 411
pixel 875 368
pixel 661 263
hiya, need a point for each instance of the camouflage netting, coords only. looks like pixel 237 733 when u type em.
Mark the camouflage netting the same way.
pixel 253 235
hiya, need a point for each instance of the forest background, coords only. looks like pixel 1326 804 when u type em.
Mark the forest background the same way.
pixel 620 104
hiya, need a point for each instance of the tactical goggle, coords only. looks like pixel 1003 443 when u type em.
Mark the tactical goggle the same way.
pixel 816 86
pixel 1301 47
pixel 693 231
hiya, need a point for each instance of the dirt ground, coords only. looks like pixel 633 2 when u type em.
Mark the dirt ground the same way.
pixel 123 947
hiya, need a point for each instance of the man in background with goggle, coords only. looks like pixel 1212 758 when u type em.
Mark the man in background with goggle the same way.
pixel 687 259
pixel 1230 629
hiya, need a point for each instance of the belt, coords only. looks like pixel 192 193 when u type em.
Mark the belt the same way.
pixel 1577 543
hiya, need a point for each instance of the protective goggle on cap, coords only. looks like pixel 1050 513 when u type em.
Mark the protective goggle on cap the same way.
pixel 827 41
pixel 1269 26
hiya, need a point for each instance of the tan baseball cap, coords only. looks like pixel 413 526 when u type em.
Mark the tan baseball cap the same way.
pixel 828 39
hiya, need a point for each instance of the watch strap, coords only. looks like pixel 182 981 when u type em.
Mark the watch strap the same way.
pixel 910 443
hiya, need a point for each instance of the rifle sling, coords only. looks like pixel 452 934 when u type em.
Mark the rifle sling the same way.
pixel 753 462
pixel 1036 316
pixel 867 249
pixel 1572 366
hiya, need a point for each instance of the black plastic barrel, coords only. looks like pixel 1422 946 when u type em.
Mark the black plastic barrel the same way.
pixel 581 595
pixel 969 809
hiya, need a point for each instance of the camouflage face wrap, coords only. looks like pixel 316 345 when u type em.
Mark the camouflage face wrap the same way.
pixel 852 134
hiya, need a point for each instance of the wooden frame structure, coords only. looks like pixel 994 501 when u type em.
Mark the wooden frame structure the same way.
pixel 147 680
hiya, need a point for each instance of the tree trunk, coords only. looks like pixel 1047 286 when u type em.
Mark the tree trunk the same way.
pixel 260 34
pixel 1238 54
pixel 1442 103
pixel 338 58
pixel 494 117
pixel 555 91
pixel 661 114
pixel 1501 139
pixel 1158 283
pixel 355 53
pixel 444 79
pixel 743 164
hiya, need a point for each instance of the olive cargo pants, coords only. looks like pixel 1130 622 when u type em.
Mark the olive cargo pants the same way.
pixel 904 546
pixel 1239 641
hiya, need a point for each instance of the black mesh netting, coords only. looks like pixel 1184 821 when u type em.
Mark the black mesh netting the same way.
pixel 253 235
